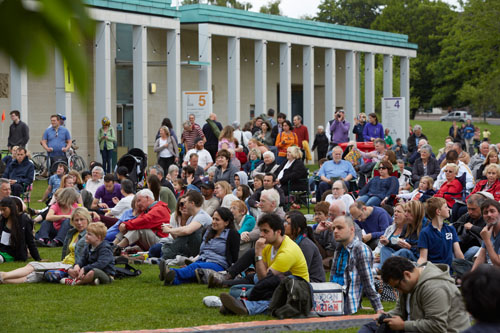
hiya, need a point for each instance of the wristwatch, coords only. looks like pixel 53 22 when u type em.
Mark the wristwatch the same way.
pixel 258 258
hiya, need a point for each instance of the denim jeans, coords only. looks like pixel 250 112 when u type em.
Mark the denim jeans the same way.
pixel 106 159
pixel 186 274
pixel 370 201
pixel 385 253
pixel 155 250
pixel 257 307
pixel 471 252
pixel 405 253
pixel 47 231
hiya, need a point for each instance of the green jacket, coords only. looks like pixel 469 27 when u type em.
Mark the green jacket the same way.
pixel 110 142
pixel 435 304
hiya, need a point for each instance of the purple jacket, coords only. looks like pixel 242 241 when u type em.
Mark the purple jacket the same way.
pixel 373 131
pixel 340 131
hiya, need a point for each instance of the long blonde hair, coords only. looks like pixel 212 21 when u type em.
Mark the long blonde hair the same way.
pixel 417 210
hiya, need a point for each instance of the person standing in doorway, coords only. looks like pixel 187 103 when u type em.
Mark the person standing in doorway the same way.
pixel 107 143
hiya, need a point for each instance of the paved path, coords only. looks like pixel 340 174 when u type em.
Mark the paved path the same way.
pixel 306 324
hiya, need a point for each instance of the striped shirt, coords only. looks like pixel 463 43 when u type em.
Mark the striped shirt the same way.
pixel 358 276
pixel 188 136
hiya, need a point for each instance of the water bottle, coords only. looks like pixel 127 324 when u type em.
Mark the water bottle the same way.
pixel 243 294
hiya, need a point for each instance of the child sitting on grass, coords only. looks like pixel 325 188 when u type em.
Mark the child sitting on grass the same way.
pixel 97 266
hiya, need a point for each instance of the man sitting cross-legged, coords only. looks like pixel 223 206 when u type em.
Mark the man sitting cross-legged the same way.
pixel 187 239
pixel 275 254
pixel 146 229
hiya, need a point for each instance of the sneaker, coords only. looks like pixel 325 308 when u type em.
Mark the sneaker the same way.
pixel 40 242
pixel 53 243
pixel 68 281
pixel 117 251
pixel 169 277
pixel 233 305
pixel 202 274
pixel 97 282
pixel 212 301
pixel 216 280
pixel 1 260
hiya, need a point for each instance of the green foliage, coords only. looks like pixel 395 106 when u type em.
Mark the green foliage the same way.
pixel 356 13
pixel 468 69
pixel 272 7
pixel 34 29
pixel 420 20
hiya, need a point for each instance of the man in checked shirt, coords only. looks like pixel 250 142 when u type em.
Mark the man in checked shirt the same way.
pixel 352 267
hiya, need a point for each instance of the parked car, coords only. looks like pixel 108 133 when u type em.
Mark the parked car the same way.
pixel 461 116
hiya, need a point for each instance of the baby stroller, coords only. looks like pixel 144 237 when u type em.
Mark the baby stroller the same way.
pixel 135 161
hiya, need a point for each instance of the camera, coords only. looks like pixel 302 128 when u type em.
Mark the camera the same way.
pixel 383 327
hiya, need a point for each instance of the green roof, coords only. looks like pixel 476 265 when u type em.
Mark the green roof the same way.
pixel 242 18
pixel 153 7
pixel 247 19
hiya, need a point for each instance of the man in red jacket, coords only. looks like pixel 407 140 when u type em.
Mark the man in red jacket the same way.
pixel 146 229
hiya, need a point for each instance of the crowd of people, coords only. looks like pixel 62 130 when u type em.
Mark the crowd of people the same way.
pixel 219 203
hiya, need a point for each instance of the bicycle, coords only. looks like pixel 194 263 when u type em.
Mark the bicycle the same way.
pixel 75 162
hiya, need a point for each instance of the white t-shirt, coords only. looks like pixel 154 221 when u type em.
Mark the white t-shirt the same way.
pixel 346 198
pixel 165 153
pixel 204 157
pixel 92 186
pixel 122 205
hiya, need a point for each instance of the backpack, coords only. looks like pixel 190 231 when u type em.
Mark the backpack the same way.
pixel 291 299
pixel 127 271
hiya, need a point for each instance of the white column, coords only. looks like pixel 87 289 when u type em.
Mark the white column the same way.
pixel 174 78
pixel 330 96
pixel 260 73
pixel 405 91
pixel 233 79
pixel 308 89
pixel 369 83
pixel 205 55
pixel 63 98
pixel 350 86
pixel 286 79
pixel 102 100
pixel 387 76
pixel 140 74
pixel 19 90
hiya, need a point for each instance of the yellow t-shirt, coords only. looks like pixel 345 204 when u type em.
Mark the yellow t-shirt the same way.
pixel 70 257
pixel 289 258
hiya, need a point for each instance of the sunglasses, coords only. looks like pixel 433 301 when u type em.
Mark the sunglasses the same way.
pixel 181 204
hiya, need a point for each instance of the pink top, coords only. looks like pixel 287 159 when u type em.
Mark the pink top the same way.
pixel 58 211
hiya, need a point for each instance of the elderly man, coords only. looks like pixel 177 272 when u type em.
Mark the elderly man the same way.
pixel 268 183
pixel 205 160
pixel 107 194
pixel 187 239
pixel 352 267
pixel 56 140
pixel 415 138
pixel 146 229
pixel 95 181
pixel 463 156
pixel 193 163
pixel 20 172
pixel 478 159
pixel 336 169
pixel 373 220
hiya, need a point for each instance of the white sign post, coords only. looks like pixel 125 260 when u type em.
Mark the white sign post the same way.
pixel 394 117
pixel 198 103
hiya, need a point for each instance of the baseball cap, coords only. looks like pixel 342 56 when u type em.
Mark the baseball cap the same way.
pixel 208 184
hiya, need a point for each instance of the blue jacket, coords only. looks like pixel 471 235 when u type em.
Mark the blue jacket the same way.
pixel 101 257
pixel 373 131
pixel 23 173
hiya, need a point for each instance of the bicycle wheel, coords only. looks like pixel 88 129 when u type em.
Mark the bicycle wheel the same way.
pixel 40 164
pixel 77 163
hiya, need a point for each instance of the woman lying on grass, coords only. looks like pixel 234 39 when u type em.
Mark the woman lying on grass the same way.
pixel 16 232
pixel 218 251
pixel 73 247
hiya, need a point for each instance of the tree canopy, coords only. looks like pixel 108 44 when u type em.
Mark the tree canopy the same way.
pixel 358 13
pixel 272 7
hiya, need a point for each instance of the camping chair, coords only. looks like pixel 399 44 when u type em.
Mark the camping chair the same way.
pixel 298 196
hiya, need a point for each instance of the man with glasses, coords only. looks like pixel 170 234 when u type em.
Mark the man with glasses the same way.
pixel 373 220
pixel 429 300
pixel 352 267
pixel 336 169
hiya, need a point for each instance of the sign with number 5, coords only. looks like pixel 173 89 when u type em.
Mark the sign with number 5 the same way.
pixel 198 103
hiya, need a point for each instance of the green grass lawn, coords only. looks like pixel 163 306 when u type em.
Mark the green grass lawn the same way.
pixel 135 303
pixel 436 131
